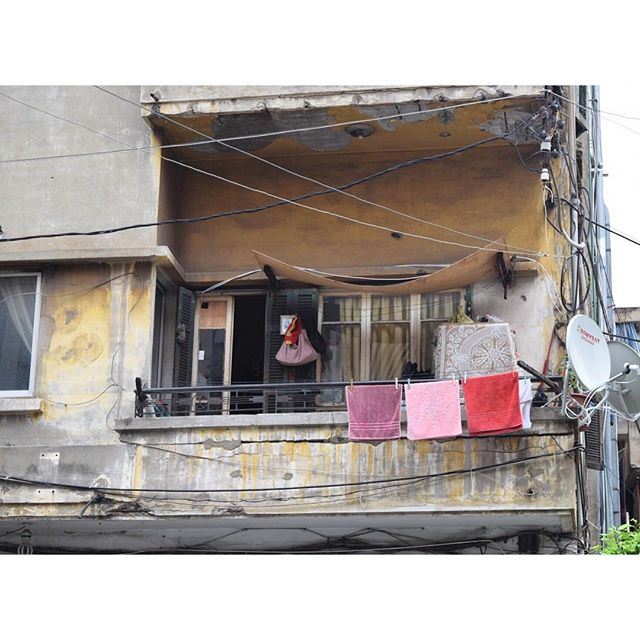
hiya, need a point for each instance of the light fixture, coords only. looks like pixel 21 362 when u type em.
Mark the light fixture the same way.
pixel 359 130
pixel 25 548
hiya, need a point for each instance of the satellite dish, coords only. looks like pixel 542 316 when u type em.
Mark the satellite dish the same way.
pixel 588 353
pixel 624 397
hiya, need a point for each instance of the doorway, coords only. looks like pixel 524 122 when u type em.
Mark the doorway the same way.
pixel 247 365
pixel 247 362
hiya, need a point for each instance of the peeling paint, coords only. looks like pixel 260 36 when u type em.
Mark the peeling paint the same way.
pixel 227 445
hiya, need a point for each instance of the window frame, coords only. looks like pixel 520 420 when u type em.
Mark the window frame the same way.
pixel 415 324
pixel 28 393
pixel 157 371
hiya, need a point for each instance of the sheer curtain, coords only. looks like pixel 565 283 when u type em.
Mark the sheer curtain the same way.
pixel 390 336
pixel 17 294
pixel 341 330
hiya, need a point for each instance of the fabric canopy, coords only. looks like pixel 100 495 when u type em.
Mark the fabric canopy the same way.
pixel 474 267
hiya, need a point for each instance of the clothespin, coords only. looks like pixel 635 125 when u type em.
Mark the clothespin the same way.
pixel 396 383
pixel 465 377
pixel 408 383
pixel 351 383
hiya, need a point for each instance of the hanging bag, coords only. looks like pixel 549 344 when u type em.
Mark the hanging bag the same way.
pixel 295 355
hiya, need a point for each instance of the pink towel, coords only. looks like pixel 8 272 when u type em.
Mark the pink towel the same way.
pixel 433 410
pixel 493 403
pixel 374 412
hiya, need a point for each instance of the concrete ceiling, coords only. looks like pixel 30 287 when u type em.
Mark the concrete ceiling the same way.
pixel 441 130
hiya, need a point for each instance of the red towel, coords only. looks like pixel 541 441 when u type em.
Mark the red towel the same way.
pixel 374 412
pixel 493 403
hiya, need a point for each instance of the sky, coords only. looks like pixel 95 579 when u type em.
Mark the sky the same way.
pixel 619 159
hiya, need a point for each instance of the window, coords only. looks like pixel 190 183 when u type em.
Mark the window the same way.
pixel 373 336
pixel 435 308
pixel 19 312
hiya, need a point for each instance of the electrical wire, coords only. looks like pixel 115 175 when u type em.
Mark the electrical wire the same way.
pixel 9 533
pixel 388 481
pixel 78 292
pixel 213 216
pixel 329 188
pixel 615 335
pixel 596 110
pixel 232 463
pixel 347 544
pixel 425 307
pixel 72 293
pixel 231 139
pixel 113 383
pixel 611 230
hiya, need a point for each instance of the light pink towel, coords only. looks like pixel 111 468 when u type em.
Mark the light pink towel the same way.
pixel 374 412
pixel 433 410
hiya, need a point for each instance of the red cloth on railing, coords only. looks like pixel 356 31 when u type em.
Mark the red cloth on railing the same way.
pixel 293 331
pixel 493 403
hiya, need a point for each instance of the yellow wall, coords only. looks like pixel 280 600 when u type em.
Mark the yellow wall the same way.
pixel 485 192
pixel 93 340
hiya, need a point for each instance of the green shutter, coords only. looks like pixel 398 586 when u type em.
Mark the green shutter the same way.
pixel 183 357
pixel 593 442
pixel 304 302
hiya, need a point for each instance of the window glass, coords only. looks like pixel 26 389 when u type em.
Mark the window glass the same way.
pixel 389 350
pixel 390 336
pixel 211 366
pixel 439 306
pixel 342 333
pixel 341 309
pixel 390 308
pixel 435 308
pixel 341 359
pixel 17 310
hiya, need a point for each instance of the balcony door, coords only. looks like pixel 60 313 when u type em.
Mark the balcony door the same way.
pixel 212 364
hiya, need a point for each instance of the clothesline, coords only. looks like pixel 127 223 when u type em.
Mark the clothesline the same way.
pixel 409 380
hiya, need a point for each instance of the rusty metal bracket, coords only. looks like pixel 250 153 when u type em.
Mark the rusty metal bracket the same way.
pixel 506 273
pixel 274 285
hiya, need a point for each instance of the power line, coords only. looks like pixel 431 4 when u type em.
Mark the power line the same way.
pixel 596 109
pixel 329 188
pixel 214 216
pixel 609 229
pixel 615 335
pixel 386 481
pixel 105 152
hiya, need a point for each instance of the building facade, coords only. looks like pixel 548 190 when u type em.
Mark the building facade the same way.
pixel 157 237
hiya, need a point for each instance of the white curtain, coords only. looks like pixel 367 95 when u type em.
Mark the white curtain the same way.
pixel 18 299
pixel 17 304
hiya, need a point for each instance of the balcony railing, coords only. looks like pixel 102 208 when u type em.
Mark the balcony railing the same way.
pixel 257 398
pixel 245 398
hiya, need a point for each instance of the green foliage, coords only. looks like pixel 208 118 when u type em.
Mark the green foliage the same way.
pixel 622 540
